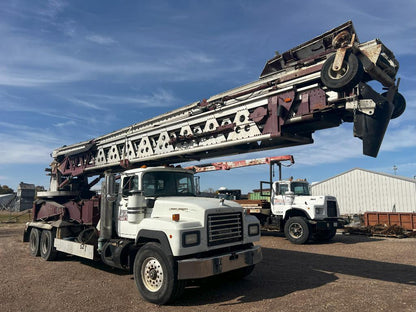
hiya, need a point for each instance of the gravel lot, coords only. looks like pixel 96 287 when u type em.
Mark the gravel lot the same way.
pixel 352 273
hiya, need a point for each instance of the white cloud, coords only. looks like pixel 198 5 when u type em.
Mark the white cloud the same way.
pixel 65 124
pixel 337 145
pixel 157 98
pixel 45 65
pixel 52 8
pixel 48 61
pixel 23 150
pixel 103 40
pixel 87 104
pixel 330 146
pixel 398 138
pixel 23 144
pixel 401 168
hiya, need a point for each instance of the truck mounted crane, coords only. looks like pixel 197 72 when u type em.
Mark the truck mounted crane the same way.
pixel 147 218
pixel 290 207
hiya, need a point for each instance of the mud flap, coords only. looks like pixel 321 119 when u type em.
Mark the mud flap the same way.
pixel 371 128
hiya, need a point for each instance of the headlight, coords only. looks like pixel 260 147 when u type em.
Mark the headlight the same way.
pixel 319 210
pixel 253 230
pixel 190 239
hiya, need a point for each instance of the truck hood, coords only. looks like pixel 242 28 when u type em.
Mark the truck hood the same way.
pixel 312 200
pixel 192 207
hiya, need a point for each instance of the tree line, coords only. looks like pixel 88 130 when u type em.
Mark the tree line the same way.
pixel 4 189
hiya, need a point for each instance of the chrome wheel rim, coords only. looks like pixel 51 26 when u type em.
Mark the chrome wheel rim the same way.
pixel 295 230
pixel 152 274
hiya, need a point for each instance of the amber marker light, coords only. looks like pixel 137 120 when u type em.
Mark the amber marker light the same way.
pixel 175 217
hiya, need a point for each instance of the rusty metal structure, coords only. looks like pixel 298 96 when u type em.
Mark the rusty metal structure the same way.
pixel 317 85
pixel 227 165
pixel 405 220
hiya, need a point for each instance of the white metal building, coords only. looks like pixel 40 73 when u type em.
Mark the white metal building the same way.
pixel 359 190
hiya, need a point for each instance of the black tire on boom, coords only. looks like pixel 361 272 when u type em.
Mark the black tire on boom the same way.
pixel 297 230
pixel 399 103
pixel 47 250
pixel 350 73
pixel 34 242
pixel 155 275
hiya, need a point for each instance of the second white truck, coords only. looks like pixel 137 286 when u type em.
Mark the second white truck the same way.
pixel 290 208
pixel 298 214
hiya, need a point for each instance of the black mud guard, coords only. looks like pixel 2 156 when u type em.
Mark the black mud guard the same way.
pixel 371 129
pixel 145 236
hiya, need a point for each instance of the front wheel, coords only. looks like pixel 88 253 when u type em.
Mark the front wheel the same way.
pixel 350 73
pixel 297 230
pixel 155 275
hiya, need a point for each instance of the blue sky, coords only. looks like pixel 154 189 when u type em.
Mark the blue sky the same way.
pixel 74 70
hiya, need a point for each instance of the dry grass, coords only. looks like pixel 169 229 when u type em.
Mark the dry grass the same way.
pixel 15 217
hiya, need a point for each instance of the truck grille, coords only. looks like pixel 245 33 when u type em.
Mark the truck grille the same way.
pixel 224 228
pixel 332 208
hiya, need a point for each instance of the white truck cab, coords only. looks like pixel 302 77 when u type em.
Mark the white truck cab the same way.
pixel 301 215
pixel 291 194
pixel 165 199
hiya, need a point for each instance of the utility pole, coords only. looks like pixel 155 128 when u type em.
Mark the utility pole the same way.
pixel 395 169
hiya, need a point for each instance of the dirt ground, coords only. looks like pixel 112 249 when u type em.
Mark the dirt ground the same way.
pixel 352 273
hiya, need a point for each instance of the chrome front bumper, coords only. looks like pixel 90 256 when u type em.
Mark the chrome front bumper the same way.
pixel 198 268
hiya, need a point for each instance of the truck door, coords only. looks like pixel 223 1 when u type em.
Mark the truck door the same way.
pixel 128 185
pixel 278 200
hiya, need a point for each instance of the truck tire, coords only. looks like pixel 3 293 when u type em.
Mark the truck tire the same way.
pixel 34 242
pixel 324 235
pixel 399 103
pixel 347 77
pixel 47 250
pixel 297 230
pixel 155 275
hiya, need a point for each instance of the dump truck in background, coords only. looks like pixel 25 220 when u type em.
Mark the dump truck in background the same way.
pixel 148 219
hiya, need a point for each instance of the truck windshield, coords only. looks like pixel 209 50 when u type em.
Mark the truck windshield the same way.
pixel 300 188
pixel 165 183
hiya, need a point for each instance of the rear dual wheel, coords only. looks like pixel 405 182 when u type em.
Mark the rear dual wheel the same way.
pixel 41 243
pixel 47 249
pixel 34 242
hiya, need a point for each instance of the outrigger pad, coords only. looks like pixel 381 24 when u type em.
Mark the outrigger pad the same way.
pixel 371 129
